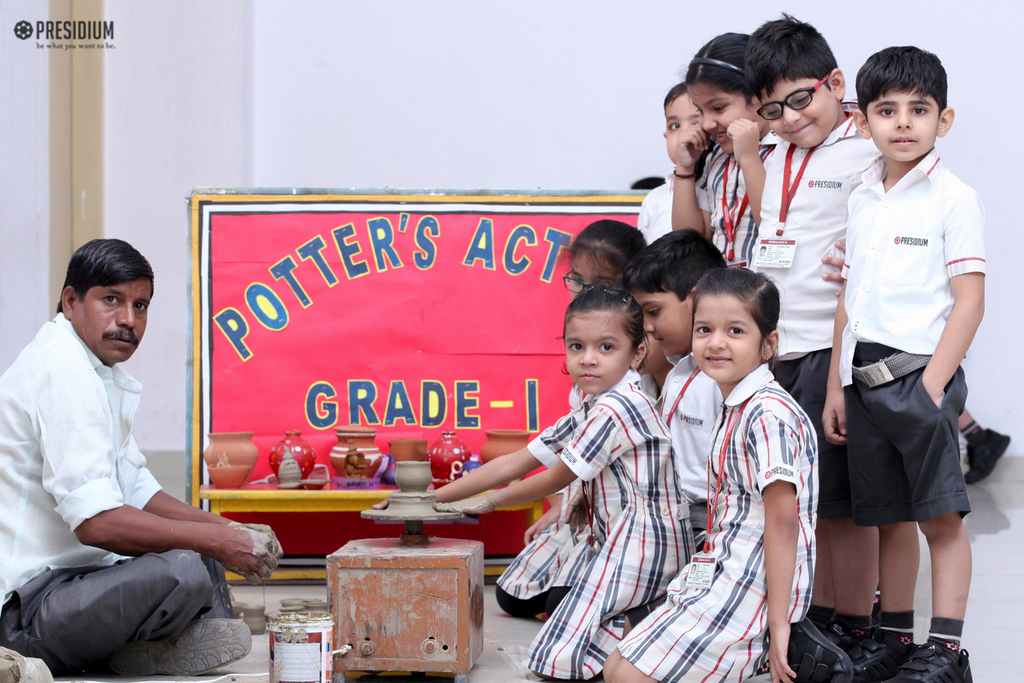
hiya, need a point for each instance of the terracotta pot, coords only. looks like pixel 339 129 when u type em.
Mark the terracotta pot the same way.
pixel 403 450
pixel 447 455
pixel 236 446
pixel 363 439
pixel 412 476
pixel 300 450
pixel 502 442
pixel 234 455
pixel 229 476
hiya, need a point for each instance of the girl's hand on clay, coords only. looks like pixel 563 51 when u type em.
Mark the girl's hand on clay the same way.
pixel 470 506
pixel 383 505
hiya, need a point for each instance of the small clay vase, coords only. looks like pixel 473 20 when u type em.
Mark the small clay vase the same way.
pixel 447 456
pixel 363 439
pixel 301 451
pixel 255 618
pixel 412 476
pixel 502 442
pixel 408 449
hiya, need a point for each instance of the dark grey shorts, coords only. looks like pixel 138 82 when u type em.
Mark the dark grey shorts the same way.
pixel 904 450
pixel 806 380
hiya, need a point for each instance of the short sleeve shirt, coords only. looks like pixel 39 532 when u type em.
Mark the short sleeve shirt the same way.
pixel 903 248
pixel 690 416
pixel 816 218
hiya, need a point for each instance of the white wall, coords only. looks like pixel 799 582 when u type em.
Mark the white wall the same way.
pixel 458 94
pixel 24 183
pixel 175 113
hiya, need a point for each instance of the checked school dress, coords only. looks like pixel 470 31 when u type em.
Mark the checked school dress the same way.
pixel 622 452
pixel 721 633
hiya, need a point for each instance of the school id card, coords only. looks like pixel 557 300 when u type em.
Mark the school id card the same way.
pixel 701 570
pixel 774 253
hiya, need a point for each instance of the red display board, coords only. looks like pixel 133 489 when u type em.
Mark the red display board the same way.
pixel 410 312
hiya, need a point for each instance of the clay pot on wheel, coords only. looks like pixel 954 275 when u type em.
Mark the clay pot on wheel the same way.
pixel 502 442
pixel 412 476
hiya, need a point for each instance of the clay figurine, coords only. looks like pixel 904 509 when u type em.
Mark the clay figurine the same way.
pixel 289 473
pixel 355 462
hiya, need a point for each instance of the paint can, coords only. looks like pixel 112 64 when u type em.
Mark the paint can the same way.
pixel 301 647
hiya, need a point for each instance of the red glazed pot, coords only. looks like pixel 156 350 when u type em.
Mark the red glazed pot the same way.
pixel 446 457
pixel 301 451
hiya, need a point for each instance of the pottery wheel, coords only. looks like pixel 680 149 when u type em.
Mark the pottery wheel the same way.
pixel 411 507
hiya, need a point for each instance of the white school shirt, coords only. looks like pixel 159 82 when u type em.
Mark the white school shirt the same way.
pixel 691 422
pixel 655 217
pixel 902 248
pixel 66 453
pixel 709 199
pixel 816 219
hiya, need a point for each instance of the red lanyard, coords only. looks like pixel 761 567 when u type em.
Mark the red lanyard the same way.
pixel 672 413
pixel 730 427
pixel 730 222
pixel 789 190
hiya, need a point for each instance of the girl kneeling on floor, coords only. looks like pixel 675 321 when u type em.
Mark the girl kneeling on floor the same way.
pixel 754 574
pixel 616 443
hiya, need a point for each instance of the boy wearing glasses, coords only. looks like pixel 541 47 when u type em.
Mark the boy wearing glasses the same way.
pixel 913 299
pixel 807 186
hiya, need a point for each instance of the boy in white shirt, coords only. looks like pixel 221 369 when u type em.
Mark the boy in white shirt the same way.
pixel 808 180
pixel 912 302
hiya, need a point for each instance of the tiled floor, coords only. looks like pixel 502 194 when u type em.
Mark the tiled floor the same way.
pixel 994 621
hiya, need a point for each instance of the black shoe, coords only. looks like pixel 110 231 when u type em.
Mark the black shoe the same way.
pixel 933 663
pixel 873 660
pixel 839 634
pixel 815 658
pixel 983 456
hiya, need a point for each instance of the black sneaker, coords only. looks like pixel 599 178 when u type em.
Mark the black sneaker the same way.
pixel 815 658
pixel 839 634
pixel 873 660
pixel 933 663
pixel 983 456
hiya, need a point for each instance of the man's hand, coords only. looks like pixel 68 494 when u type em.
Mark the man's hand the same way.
pixel 689 146
pixel 275 545
pixel 248 553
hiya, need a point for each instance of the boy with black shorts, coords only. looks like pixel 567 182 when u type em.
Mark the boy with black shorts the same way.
pixel 808 180
pixel 912 302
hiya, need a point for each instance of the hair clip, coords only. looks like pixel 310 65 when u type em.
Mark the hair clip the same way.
pixel 717 62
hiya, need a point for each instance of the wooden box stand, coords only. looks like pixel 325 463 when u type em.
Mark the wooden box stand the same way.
pixel 407 608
